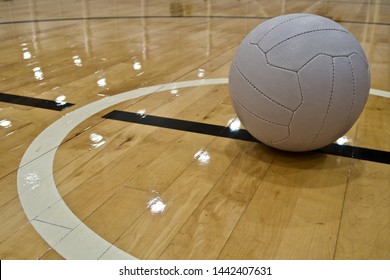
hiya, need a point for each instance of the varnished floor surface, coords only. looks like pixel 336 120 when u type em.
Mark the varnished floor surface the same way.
pixel 120 189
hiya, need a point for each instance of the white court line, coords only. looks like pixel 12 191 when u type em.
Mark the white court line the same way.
pixel 38 194
pixel 380 93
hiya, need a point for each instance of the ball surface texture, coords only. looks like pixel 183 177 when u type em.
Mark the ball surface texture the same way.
pixel 298 82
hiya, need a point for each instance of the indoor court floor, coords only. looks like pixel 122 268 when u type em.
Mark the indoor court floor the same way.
pixel 118 139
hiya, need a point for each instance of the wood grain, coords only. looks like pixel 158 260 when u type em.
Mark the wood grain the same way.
pixel 224 198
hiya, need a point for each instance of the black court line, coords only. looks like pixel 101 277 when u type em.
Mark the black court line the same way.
pixel 33 102
pixel 241 134
pixel 168 17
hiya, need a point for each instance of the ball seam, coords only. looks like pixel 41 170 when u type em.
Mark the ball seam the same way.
pixel 304 33
pixel 259 91
pixel 353 96
pixel 328 108
pixel 325 54
pixel 281 23
pixel 253 114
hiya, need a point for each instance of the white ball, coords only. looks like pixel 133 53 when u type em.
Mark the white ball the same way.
pixel 298 82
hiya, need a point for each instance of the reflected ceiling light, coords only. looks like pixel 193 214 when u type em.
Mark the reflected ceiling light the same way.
pixel 5 123
pixel 31 181
pixel 201 73
pixel 61 100
pixel 77 61
pixel 102 82
pixel 343 140
pixel 156 205
pixel 175 92
pixel 97 140
pixel 26 55
pixel 141 113
pixel 38 74
pixel 202 156
pixel 137 66
pixel 234 124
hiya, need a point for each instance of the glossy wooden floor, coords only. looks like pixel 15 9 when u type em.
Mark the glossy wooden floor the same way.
pixel 223 198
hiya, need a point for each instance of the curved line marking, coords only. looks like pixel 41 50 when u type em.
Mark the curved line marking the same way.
pixel 38 194
pixel 378 92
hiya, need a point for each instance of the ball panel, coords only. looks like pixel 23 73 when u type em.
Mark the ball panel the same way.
pixel 301 25
pixel 278 85
pixel 296 52
pixel 307 120
pixel 257 127
pixel 361 76
pixel 340 105
pixel 243 92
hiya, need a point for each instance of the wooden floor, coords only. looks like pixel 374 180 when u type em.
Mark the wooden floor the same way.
pixel 158 193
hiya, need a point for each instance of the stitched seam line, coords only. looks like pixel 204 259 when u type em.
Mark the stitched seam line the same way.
pixel 253 114
pixel 332 56
pixel 254 87
pixel 329 103
pixel 354 94
pixel 274 66
pixel 307 32
pixel 292 115
pixel 283 22
pixel 285 69
pixel 256 116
